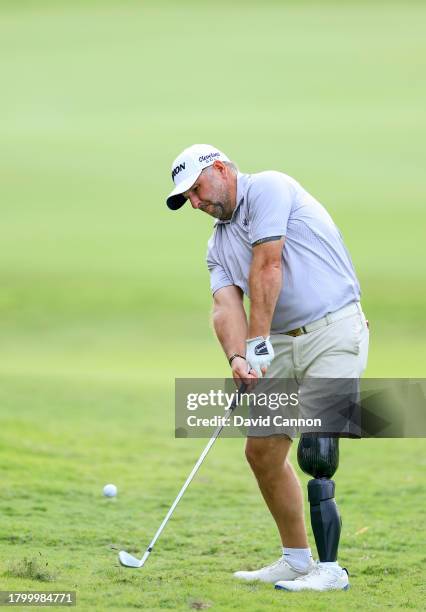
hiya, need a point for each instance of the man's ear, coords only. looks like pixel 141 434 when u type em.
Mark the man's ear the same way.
pixel 219 165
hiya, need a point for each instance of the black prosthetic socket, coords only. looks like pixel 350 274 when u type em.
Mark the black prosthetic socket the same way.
pixel 319 457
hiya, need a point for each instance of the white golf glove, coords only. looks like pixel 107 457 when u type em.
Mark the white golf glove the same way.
pixel 259 353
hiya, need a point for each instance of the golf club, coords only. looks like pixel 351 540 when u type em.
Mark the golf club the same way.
pixel 129 560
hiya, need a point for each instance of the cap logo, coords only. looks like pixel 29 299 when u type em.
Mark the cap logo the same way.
pixel 209 157
pixel 177 170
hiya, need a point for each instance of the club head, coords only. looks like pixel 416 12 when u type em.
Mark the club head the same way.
pixel 129 560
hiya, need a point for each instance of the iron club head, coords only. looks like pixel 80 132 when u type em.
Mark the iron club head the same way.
pixel 129 560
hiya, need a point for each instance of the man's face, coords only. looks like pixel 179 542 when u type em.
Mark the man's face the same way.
pixel 211 192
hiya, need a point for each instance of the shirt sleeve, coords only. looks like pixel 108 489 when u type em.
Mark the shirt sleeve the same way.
pixel 270 198
pixel 218 275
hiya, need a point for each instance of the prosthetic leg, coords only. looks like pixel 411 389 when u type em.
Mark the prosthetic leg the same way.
pixel 319 457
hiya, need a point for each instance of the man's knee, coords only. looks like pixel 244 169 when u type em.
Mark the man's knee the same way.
pixel 255 454
pixel 267 454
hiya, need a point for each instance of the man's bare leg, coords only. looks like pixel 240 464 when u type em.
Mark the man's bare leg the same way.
pixel 280 487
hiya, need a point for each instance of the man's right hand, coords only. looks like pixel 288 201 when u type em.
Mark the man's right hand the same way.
pixel 241 373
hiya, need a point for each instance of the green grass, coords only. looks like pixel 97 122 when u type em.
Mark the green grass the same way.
pixel 104 293
pixel 66 443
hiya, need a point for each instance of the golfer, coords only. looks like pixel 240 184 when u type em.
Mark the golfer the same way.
pixel 275 243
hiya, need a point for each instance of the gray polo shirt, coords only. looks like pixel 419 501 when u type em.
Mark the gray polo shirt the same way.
pixel 318 275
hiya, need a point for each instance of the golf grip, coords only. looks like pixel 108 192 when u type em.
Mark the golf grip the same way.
pixel 212 440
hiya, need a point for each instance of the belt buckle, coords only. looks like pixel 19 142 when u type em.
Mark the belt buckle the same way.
pixel 295 332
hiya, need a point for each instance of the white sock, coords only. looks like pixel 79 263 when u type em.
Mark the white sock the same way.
pixel 298 558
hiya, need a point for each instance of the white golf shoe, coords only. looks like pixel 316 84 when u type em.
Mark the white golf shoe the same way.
pixel 280 570
pixel 321 578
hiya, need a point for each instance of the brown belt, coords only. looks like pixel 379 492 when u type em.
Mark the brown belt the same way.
pixel 331 317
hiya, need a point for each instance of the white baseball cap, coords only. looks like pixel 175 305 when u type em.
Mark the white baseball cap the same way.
pixel 187 167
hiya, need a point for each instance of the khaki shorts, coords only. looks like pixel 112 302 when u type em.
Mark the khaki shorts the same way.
pixel 338 350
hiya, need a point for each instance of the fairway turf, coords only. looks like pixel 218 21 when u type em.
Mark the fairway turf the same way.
pixel 104 295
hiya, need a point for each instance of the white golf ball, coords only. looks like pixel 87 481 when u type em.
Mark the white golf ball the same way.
pixel 110 490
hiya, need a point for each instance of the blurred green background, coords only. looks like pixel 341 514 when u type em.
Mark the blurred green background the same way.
pixel 104 293
pixel 99 97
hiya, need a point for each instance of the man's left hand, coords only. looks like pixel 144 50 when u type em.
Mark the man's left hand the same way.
pixel 259 354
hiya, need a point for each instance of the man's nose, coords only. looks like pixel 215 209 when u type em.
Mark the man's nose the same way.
pixel 195 200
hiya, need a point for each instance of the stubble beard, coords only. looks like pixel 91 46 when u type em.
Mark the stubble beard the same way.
pixel 218 210
pixel 221 208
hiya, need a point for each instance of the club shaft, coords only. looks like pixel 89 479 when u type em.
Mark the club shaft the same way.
pixel 193 472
